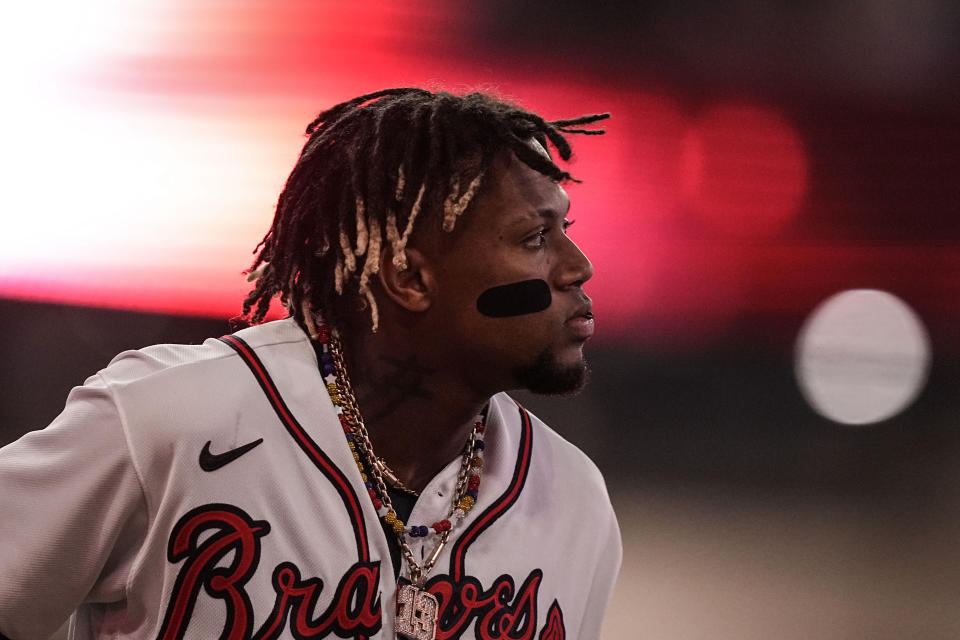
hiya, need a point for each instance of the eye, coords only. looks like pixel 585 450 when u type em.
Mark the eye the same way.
pixel 537 240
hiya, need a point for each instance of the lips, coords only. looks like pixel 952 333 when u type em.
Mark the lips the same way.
pixel 581 322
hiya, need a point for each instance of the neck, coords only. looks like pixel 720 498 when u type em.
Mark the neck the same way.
pixel 417 415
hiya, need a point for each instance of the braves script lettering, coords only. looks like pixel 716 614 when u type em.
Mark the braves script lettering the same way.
pixel 353 610
pixel 227 557
pixel 500 611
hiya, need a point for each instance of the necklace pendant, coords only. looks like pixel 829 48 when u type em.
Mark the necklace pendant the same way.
pixel 416 613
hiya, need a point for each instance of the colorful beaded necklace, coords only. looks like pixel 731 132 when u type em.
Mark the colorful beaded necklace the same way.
pixel 468 481
pixel 417 608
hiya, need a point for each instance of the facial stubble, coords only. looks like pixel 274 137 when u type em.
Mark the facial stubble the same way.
pixel 547 376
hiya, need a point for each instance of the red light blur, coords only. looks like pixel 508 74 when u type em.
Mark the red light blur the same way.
pixel 745 170
pixel 177 128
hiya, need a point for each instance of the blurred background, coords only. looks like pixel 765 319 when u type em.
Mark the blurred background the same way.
pixel 782 455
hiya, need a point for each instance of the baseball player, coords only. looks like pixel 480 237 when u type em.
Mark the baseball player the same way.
pixel 354 470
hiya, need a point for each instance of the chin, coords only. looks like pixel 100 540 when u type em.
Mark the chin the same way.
pixel 549 376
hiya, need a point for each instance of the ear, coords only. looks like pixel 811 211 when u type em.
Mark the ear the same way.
pixel 411 288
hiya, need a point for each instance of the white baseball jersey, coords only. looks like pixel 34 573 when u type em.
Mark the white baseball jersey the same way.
pixel 208 491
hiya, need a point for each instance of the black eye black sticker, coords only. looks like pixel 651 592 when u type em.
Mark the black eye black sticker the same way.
pixel 515 299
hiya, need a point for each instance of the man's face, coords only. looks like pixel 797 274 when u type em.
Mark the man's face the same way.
pixel 515 231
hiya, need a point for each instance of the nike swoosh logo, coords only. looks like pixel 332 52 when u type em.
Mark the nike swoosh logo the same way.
pixel 213 461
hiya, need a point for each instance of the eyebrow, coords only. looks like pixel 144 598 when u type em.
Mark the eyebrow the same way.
pixel 540 214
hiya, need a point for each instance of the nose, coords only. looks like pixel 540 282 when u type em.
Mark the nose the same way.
pixel 576 268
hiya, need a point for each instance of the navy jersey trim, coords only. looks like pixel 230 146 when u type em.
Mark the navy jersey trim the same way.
pixel 306 443
pixel 502 503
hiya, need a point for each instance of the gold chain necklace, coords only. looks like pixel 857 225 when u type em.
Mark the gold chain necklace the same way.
pixel 417 608
pixel 391 478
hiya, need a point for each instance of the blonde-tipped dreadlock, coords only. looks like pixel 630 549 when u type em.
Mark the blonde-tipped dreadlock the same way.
pixel 371 167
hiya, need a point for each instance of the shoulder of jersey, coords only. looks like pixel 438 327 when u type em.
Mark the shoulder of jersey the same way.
pixel 138 364
pixel 564 462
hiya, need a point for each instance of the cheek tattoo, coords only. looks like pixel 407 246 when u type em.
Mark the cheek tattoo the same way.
pixel 515 299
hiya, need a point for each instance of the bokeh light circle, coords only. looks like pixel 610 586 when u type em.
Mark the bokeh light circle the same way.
pixel 862 356
pixel 745 170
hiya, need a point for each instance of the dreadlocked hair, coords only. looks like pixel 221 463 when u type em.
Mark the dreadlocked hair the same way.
pixel 370 167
